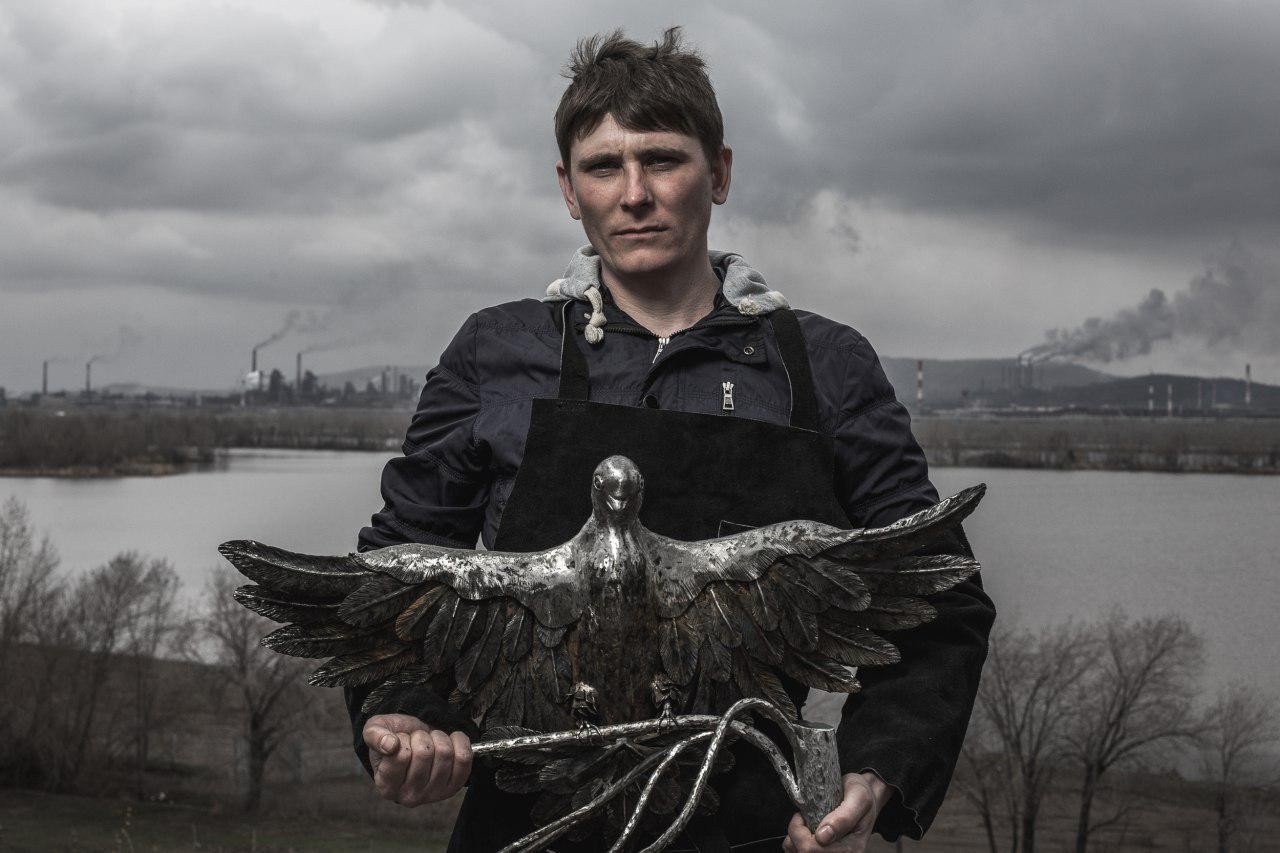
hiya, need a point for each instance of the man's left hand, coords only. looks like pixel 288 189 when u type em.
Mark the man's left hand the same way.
pixel 848 828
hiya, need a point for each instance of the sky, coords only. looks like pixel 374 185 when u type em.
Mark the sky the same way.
pixel 183 179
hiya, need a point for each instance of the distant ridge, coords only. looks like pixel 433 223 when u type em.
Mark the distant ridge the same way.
pixel 946 380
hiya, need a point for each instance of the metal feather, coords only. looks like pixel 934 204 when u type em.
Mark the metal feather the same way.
pixel 324 640
pixel 917 575
pixel 820 672
pixel 888 613
pixel 412 622
pixel 283 607
pixel 479 656
pixel 853 645
pixel 362 667
pixel 377 600
pixel 300 574
pixel 678 649
pixel 517 637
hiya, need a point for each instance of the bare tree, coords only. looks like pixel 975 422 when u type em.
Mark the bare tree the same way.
pixel 153 629
pixel 1239 728
pixel 981 777
pixel 28 580
pixel 1024 702
pixel 269 686
pixel 1138 695
pixel 98 612
pixel 27 571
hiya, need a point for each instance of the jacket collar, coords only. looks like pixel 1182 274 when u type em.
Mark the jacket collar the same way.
pixel 742 287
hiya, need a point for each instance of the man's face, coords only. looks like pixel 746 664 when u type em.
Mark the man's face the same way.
pixel 644 196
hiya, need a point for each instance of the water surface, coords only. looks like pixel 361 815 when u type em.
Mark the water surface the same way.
pixel 1055 544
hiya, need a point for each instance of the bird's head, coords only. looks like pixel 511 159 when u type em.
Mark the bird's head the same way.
pixel 617 489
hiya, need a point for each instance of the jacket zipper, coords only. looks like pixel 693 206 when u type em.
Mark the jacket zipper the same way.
pixel 727 387
pixel 662 344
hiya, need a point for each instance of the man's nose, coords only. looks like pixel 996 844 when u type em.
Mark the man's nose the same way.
pixel 636 191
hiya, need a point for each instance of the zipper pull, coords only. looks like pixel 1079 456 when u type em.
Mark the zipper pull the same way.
pixel 728 396
pixel 662 344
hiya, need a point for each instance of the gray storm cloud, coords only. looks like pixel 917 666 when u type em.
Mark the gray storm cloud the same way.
pixel 1234 303
pixel 152 165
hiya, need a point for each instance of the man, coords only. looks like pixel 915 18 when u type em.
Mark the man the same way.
pixel 649 334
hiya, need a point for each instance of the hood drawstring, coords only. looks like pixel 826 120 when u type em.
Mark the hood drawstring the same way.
pixel 594 332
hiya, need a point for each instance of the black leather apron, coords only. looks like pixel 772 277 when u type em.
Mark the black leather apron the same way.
pixel 705 476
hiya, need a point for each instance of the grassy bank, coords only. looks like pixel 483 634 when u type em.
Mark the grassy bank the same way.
pixel 132 442
pixel 1236 445
pixel 35 821
pixel 106 442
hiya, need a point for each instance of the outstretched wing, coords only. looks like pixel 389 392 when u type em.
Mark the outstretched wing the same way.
pixel 495 622
pixel 797 598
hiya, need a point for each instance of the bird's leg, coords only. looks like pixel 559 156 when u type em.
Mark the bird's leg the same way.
pixel 665 696
pixel 586 713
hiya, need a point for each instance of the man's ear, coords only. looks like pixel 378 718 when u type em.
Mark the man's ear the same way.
pixel 566 190
pixel 721 173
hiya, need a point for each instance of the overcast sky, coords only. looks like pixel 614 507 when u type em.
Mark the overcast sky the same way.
pixel 181 179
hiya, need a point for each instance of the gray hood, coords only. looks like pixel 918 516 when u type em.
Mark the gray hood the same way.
pixel 744 288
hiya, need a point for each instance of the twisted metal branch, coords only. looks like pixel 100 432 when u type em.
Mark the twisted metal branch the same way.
pixel 714 729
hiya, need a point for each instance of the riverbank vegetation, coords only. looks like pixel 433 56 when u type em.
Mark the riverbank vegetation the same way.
pixel 89 441
pixel 159 705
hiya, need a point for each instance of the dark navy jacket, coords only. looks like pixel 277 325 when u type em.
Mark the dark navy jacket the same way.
pixel 466 440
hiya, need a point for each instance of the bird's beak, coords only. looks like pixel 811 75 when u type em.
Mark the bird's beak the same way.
pixel 615 504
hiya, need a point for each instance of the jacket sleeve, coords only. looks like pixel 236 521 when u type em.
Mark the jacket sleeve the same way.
pixel 434 493
pixel 908 722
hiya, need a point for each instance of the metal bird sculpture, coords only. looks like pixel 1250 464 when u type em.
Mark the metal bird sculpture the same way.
pixel 617 624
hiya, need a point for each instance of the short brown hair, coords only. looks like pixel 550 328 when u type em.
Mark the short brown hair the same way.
pixel 659 87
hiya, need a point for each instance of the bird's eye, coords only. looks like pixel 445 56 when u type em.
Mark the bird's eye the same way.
pixel 598 481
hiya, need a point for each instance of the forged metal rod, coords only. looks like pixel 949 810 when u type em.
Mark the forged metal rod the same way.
pixel 541 837
pixel 753 737
pixel 688 722
pixel 704 772
pixel 808 787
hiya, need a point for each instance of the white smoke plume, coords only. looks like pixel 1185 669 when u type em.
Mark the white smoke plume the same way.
pixel 1234 303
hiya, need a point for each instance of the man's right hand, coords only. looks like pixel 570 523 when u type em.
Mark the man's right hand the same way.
pixel 414 763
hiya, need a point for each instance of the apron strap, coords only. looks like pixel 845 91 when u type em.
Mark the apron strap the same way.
pixel 574 378
pixel 804 402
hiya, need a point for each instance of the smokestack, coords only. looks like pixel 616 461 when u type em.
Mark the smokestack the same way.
pixel 44 379
pixel 298 382
pixel 1248 385
pixel 1168 400
pixel 253 362
pixel 88 384
pixel 385 379
pixel 920 383
pixel 1199 395
pixel 1151 398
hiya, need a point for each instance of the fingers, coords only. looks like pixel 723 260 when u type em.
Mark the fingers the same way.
pixel 846 829
pixel 389 769
pixel 461 762
pixel 422 751
pixel 413 763
pixel 853 817
pixel 380 739
pixel 441 769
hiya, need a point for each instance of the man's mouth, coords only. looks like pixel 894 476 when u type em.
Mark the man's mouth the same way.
pixel 640 232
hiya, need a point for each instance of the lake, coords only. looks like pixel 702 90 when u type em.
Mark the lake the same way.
pixel 1054 544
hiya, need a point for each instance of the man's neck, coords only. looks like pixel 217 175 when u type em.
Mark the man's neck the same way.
pixel 665 303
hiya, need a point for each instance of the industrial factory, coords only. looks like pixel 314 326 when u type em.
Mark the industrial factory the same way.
pixel 1025 384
